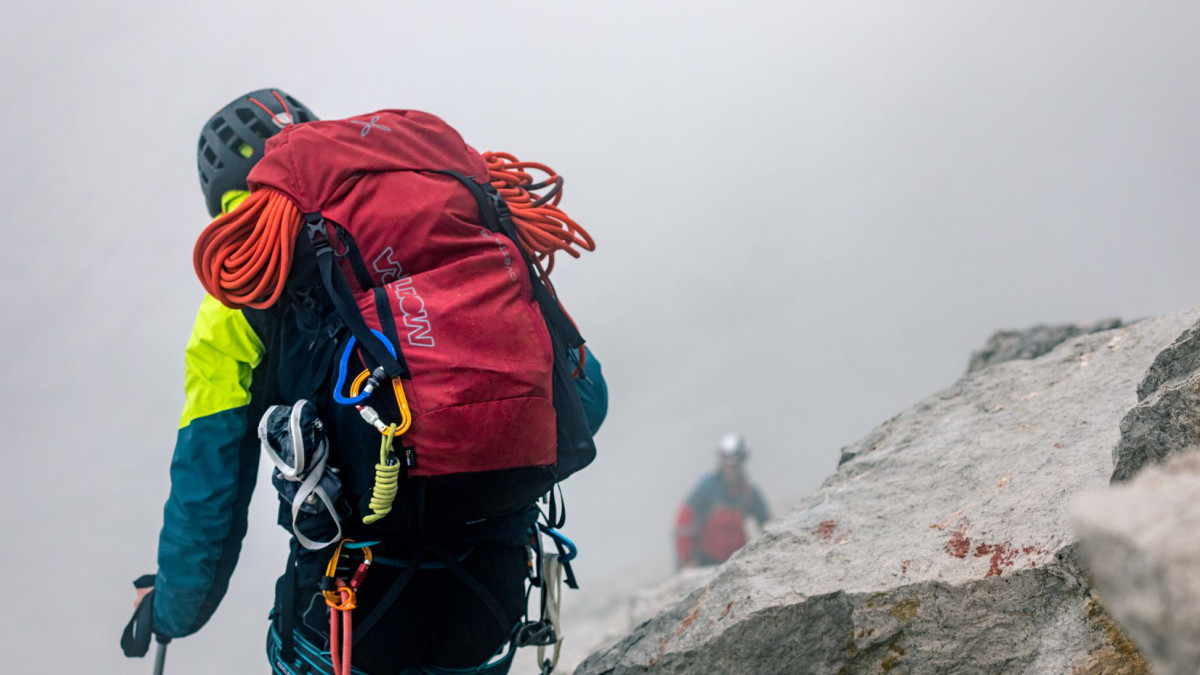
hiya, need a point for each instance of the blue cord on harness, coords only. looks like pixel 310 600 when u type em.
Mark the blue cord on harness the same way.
pixel 345 363
pixel 561 542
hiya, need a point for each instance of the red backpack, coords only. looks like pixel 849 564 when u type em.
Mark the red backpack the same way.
pixel 407 244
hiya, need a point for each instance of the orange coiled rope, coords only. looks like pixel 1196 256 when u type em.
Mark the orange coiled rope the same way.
pixel 542 226
pixel 244 256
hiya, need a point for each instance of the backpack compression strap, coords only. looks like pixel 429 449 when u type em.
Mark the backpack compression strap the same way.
pixel 339 292
pixel 498 218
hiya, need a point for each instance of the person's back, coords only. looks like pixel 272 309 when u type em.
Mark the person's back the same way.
pixel 445 585
pixel 711 523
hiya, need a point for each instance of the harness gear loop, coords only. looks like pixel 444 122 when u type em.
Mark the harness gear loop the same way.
pixel 342 598
pixel 387 479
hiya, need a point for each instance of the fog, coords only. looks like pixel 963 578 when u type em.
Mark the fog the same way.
pixel 807 216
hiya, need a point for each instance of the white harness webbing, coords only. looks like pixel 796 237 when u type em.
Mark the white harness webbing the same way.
pixel 552 572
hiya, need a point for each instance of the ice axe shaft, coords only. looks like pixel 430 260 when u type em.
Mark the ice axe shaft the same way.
pixel 160 658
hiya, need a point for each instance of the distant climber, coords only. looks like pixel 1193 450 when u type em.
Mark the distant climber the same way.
pixel 711 524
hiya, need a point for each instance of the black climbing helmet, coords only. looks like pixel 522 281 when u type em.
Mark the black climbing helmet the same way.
pixel 233 139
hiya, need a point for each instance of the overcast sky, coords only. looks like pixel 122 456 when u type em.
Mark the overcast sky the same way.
pixel 807 216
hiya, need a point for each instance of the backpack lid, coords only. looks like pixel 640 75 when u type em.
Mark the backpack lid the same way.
pixel 310 162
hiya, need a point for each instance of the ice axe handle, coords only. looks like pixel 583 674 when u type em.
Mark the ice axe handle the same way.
pixel 160 655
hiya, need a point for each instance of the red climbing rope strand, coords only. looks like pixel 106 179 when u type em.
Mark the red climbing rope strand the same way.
pixel 244 256
pixel 542 227
pixel 339 652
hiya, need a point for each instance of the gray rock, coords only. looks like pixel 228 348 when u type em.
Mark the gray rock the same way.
pixel 1139 542
pixel 1167 417
pixel 940 546
pixel 1007 345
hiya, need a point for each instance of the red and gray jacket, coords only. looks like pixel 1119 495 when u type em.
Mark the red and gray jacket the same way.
pixel 710 525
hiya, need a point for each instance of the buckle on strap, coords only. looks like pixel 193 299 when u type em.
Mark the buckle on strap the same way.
pixel 535 634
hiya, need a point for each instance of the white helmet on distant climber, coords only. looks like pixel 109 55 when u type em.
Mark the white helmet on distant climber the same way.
pixel 732 448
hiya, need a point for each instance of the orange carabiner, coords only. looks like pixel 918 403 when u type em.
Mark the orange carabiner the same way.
pixel 401 400
pixel 339 594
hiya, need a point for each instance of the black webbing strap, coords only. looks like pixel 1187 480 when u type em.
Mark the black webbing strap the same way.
pixel 389 599
pixel 361 274
pixel 386 319
pixel 475 585
pixel 135 640
pixel 343 302
pixel 285 594
pixel 498 218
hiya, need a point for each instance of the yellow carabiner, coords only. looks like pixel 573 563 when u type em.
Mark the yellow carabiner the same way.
pixel 401 400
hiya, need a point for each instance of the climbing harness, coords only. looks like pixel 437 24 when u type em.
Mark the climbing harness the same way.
pixel 342 597
pixel 293 437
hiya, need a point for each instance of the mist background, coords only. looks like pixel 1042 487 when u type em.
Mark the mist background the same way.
pixel 807 215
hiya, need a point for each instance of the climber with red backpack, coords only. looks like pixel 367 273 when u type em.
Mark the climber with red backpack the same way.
pixel 380 324
pixel 711 524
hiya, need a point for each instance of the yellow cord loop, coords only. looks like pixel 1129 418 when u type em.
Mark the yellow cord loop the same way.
pixel 387 479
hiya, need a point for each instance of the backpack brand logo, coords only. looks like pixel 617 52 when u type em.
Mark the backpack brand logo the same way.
pixel 416 319
pixel 386 266
pixel 368 126
pixel 495 239
pixel 412 305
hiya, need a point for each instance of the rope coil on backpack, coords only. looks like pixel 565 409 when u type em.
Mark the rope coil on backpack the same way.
pixel 387 479
pixel 243 257
pixel 541 225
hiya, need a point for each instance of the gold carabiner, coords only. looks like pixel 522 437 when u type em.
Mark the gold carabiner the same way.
pixel 401 400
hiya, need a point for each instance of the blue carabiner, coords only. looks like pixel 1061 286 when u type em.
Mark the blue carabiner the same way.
pixel 345 363
pixel 562 543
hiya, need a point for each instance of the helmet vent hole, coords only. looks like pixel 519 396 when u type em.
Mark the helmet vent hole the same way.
pixel 222 130
pixel 211 157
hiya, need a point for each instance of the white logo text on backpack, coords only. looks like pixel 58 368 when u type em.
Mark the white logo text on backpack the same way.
pixel 416 319
pixel 386 266
pixel 412 305
pixel 495 239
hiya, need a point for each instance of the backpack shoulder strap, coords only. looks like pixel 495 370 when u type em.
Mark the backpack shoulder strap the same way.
pixel 343 302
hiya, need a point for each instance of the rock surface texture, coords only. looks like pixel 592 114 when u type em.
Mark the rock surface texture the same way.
pixel 1007 345
pixel 1166 419
pixel 941 545
pixel 1140 543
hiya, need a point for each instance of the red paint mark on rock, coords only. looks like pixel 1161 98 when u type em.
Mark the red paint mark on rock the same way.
pixel 725 611
pixel 662 649
pixel 825 529
pixel 688 621
pixel 1058 446
pixel 959 544
pixel 1004 556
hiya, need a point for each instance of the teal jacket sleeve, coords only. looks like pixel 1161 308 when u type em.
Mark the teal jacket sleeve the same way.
pixel 212 472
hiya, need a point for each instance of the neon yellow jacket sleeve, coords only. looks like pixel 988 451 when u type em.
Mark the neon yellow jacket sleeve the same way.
pixel 212 471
